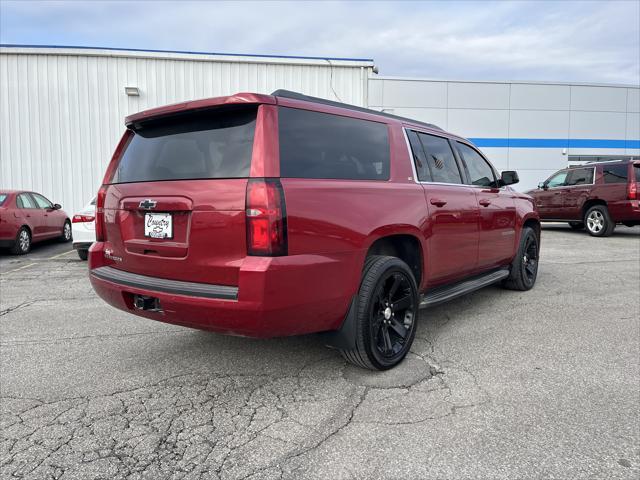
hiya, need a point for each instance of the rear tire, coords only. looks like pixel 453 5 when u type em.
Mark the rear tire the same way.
pixel 598 221
pixel 386 314
pixel 66 232
pixel 83 254
pixel 576 225
pixel 22 245
pixel 524 267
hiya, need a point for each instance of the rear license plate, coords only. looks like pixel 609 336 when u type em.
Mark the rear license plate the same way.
pixel 158 225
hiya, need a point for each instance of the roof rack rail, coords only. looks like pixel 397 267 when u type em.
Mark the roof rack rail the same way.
pixel 307 98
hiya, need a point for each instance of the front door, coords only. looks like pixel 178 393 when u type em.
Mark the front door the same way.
pixel 49 215
pixel 549 199
pixel 496 206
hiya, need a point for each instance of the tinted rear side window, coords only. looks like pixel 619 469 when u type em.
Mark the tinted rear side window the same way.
pixel 442 163
pixel 213 144
pixel 321 145
pixel 636 167
pixel 615 173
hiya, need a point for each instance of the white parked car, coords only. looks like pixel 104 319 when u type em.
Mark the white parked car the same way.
pixel 83 226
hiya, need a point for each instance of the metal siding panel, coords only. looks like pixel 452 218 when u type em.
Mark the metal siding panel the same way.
pixel 598 125
pixel 539 124
pixel 478 95
pixel 633 99
pixel 599 99
pixel 540 97
pixel 479 123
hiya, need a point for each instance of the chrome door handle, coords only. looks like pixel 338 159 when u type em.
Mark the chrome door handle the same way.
pixel 437 202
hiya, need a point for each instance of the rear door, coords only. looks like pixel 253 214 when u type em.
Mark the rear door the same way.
pixel 32 215
pixel 175 205
pixel 496 206
pixel 452 228
pixel 579 184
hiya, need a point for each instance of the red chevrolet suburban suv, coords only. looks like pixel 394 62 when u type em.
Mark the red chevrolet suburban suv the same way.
pixel 595 195
pixel 282 214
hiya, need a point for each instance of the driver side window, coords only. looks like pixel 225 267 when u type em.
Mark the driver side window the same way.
pixel 558 180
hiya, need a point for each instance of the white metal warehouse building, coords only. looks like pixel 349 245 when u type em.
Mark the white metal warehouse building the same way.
pixel 62 109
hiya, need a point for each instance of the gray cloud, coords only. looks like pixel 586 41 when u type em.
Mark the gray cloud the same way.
pixel 565 41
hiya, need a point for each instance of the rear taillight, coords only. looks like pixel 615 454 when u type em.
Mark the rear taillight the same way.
pixel 633 191
pixel 83 218
pixel 100 230
pixel 266 218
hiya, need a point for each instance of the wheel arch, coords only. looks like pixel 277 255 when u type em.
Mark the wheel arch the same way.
pixel 405 244
pixel 590 203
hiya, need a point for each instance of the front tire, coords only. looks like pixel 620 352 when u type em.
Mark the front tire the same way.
pixel 524 267
pixel 386 314
pixel 22 244
pixel 598 221
pixel 66 232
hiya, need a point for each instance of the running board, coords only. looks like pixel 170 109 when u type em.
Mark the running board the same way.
pixel 448 292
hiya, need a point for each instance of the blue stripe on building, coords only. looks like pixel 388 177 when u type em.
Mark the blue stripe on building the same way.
pixel 555 143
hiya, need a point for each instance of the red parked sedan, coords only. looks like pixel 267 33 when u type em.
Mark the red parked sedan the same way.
pixel 28 217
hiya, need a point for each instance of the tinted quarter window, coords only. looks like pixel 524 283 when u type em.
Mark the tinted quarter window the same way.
pixel 440 159
pixel 419 158
pixel 25 201
pixel 3 197
pixel 615 173
pixel 41 201
pixel 480 172
pixel 209 144
pixel 320 145
pixel 580 176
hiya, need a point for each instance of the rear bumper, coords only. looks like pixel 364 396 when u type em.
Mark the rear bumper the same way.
pixel 81 245
pixel 625 211
pixel 277 296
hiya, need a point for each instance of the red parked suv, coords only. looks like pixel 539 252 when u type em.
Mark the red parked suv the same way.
pixel 27 218
pixel 595 195
pixel 282 214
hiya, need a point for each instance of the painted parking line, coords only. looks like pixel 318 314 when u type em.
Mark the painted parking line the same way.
pixel 21 268
pixel 60 255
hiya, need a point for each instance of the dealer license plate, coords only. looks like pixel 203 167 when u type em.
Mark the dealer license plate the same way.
pixel 158 225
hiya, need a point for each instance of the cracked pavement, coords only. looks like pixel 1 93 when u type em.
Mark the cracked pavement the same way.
pixel 499 384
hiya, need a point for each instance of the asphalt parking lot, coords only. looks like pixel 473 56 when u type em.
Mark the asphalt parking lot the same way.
pixel 499 384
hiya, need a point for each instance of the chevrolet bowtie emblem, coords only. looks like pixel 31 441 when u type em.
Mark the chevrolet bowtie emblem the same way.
pixel 148 204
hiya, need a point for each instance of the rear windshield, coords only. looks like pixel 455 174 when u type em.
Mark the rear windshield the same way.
pixel 320 145
pixel 213 144
pixel 3 197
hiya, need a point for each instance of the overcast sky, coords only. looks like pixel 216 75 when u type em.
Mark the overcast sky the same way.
pixel 588 41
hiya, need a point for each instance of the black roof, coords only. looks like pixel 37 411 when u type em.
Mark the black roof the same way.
pixel 307 98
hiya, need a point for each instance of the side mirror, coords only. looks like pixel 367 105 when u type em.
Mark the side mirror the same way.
pixel 509 177
pixel 57 206
pixel 543 186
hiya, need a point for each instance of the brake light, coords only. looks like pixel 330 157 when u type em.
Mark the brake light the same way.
pixel 633 191
pixel 100 229
pixel 266 218
pixel 82 218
